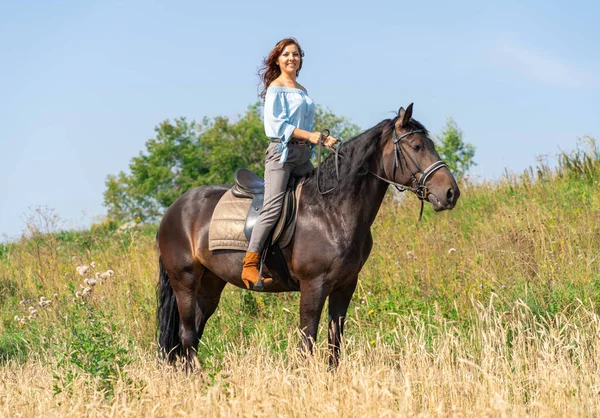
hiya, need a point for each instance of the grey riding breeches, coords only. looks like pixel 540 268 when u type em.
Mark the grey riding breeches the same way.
pixel 277 176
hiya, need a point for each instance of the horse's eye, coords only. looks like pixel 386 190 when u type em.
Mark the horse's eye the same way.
pixel 418 148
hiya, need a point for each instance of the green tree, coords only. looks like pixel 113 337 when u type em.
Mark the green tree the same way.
pixel 160 174
pixel 340 127
pixel 187 154
pixel 454 151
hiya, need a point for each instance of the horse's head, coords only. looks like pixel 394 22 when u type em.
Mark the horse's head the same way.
pixel 410 160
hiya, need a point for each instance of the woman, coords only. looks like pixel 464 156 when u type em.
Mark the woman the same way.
pixel 288 119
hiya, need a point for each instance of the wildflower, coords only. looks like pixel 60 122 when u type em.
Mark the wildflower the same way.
pixel 33 313
pixel 128 293
pixel 22 302
pixel 451 250
pixel 110 273
pixel 44 302
pixel 93 264
pixel 78 294
pixel 372 342
pixel 372 311
pixel 82 270
pixel 411 255
pixel 90 282
pixel 86 290
pixel 17 318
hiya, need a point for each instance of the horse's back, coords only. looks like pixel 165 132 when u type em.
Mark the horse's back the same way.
pixel 186 222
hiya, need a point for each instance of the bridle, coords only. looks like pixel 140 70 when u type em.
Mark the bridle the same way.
pixel 419 188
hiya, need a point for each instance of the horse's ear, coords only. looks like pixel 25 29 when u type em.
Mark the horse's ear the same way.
pixel 405 115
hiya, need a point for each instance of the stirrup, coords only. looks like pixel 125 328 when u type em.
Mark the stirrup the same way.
pixel 260 284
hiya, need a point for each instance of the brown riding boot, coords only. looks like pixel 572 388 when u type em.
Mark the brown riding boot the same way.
pixel 250 270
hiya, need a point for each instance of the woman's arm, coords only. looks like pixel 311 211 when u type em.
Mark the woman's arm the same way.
pixel 313 137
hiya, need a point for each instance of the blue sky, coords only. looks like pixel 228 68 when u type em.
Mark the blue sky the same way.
pixel 83 84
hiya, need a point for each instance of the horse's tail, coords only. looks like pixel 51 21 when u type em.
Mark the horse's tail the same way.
pixel 167 317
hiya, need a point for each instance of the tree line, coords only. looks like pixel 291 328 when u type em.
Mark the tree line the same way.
pixel 185 154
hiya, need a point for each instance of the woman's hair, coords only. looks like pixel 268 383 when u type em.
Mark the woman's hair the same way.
pixel 270 70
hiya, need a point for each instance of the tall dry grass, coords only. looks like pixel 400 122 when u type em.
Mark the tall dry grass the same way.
pixel 510 363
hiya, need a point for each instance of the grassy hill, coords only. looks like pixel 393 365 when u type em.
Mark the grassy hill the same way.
pixel 488 309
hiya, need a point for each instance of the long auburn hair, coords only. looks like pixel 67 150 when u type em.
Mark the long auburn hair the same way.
pixel 270 70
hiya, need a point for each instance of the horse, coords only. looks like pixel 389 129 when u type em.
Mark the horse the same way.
pixel 331 243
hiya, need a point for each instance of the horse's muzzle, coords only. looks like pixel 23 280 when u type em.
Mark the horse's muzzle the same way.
pixel 444 201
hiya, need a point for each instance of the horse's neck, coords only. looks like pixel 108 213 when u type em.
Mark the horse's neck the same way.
pixel 358 211
pixel 367 204
pixel 355 214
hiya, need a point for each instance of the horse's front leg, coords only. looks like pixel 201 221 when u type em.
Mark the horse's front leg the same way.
pixel 312 299
pixel 339 299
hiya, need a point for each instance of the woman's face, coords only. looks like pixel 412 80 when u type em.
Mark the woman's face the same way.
pixel 290 59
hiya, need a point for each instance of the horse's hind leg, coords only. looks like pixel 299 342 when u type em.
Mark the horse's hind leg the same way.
pixel 209 295
pixel 185 283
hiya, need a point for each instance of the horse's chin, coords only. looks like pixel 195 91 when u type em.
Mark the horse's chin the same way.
pixel 437 205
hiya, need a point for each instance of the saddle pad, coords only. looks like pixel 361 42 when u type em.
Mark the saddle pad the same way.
pixel 226 230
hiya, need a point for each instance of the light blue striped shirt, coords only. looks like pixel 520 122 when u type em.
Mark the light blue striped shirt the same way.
pixel 286 109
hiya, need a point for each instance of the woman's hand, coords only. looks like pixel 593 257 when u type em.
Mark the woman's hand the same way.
pixel 314 137
pixel 330 142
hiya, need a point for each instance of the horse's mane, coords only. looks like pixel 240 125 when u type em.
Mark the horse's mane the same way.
pixel 354 158
pixel 353 163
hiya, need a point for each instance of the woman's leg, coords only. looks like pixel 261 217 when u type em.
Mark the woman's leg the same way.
pixel 276 179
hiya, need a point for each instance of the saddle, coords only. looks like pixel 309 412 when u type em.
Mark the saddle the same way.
pixel 248 185
pixel 236 214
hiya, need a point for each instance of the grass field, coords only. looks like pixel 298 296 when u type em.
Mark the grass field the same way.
pixel 491 309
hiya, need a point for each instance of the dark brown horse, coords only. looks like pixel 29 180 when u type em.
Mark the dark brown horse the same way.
pixel 331 243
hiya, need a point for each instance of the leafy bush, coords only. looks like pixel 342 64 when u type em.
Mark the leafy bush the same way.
pixel 94 347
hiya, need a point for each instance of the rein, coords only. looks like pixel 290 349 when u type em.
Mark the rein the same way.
pixel 420 189
pixel 325 134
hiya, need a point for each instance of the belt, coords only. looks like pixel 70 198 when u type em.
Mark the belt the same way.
pixel 292 141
